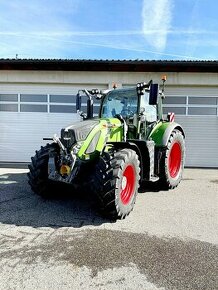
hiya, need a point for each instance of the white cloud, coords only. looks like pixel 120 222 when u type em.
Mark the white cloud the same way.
pixel 156 18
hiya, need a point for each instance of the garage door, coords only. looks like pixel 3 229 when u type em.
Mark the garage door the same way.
pixel 198 114
pixel 27 114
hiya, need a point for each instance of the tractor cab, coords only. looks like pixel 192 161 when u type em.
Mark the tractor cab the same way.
pixel 136 106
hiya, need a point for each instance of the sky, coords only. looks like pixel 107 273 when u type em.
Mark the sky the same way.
pixel 109 29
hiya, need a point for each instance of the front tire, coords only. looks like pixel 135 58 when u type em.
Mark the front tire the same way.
pixel 172 163
pixel 115 183
pixel 38 171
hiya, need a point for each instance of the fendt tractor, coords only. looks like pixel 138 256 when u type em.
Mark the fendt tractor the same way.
pixel 109 156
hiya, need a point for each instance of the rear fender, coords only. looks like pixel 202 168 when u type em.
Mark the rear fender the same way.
pixel 162 131
pixel 169 130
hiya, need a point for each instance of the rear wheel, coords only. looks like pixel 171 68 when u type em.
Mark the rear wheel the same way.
pixel 115 182
pixel 172 163
pixel 38 172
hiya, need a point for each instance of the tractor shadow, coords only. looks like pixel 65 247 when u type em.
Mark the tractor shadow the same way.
pixel 146 186
pixel 21 207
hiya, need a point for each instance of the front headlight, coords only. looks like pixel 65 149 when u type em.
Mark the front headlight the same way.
pixel 68 138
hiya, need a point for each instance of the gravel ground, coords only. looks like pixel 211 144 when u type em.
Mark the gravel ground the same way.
pixel 169 241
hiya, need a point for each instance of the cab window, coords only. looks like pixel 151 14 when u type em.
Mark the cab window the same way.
pixel 150 111
pixel 123 102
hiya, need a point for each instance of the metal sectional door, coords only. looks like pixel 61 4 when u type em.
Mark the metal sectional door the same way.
pixel 196 109
pixel 201 140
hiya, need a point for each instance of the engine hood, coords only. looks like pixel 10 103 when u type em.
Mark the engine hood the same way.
pixel 81 129
pixel 92 134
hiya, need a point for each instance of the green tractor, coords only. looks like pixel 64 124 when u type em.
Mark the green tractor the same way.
pixel 111 155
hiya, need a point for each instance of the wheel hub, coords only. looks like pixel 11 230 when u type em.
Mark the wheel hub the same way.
pixel 175 160
pixel 124 182
pixel 127 184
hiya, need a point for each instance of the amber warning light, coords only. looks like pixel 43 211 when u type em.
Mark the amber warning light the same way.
pixel 164 78
pixel 114 86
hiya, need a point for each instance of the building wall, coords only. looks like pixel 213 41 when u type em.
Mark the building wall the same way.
pixel 65 77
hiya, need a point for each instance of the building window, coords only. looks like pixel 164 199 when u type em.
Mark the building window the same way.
pixel 8 107
pixel 42 102
pixel 62 99
pixel 33 98
pixel 176 110
pixel 33 108
pixel 202 101
pixel 202 111
pixel 62 109
pixel 8 98
pixel 175 100
pixel 191 105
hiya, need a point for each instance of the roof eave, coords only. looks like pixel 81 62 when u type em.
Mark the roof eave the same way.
pixel 109 65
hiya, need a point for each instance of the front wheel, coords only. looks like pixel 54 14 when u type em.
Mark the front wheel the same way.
pixel 38 172
pixel 115 182
pixel 172 163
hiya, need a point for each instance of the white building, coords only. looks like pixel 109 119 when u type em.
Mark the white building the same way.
pixel 37 99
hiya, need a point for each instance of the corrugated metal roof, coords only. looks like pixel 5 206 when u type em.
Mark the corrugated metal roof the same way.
pixel 110 65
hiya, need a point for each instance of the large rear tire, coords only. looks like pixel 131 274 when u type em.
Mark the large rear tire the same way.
pixel 115 183
pixel 38 172
pixel 172 163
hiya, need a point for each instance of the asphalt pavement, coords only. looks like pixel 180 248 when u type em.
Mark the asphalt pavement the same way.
pixel 169 241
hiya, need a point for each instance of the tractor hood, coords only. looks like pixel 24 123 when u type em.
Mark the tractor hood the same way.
pixel 92 135
pixel 77 132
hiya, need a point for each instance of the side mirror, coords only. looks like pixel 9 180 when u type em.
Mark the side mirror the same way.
pixel 153 94
pixel 78 102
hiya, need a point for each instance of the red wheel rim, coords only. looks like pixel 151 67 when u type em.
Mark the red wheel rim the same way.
pixel 175 159
pixel 127 184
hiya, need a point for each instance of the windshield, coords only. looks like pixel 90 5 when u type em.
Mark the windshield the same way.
pixel 123 102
